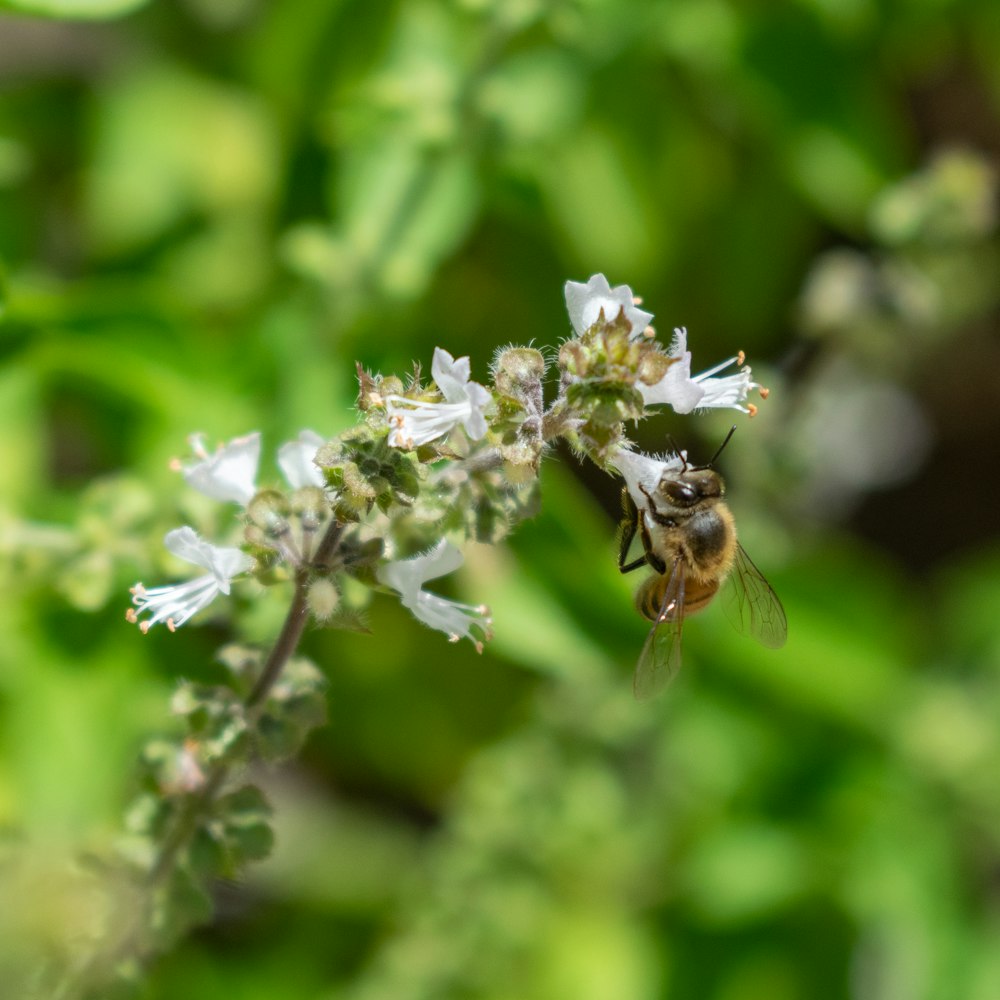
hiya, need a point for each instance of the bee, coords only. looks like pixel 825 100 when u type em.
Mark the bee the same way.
pixel 689 539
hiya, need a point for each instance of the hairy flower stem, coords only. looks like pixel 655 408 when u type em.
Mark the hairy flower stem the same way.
pixel 285 645
pixel 186 823
pixel 295 620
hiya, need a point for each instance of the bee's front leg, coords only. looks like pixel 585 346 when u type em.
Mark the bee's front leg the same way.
pixel 631 520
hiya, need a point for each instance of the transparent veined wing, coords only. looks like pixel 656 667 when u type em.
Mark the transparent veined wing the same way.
pixel 752 606
pixel 660 658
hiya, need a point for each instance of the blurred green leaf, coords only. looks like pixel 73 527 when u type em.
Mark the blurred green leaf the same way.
pixel 170 144
pixel 74 9
pixel 744 871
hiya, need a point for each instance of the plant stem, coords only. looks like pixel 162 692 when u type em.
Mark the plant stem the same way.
pixel 186 822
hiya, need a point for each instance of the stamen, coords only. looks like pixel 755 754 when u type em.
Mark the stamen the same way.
pixel 764 392
pixel 751 409
pixel 736 359
pixel 740 357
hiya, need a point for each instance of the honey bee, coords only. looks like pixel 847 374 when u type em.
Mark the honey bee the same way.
pixel 689 539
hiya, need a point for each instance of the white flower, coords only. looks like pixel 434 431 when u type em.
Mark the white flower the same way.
pixel 176 603
pixel 229 474
pixel 704 391
pixel 454 619
pixel 586 302
pixel 295 459
pixel 644 472
pixel 415 422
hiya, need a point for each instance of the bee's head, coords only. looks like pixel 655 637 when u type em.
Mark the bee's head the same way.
pixel 692 486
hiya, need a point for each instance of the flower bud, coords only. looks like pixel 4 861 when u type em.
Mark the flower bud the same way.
pixel 518 368
pixel 269 511
pixel 323 598
pixel 524 454
pixel 311 505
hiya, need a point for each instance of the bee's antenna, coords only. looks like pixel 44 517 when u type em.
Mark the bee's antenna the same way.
pixel 711 462
pixel 675 448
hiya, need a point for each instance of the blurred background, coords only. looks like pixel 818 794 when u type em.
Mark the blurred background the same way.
pixel 211 209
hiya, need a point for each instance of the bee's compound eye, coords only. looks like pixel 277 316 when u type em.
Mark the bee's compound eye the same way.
pixel 682 494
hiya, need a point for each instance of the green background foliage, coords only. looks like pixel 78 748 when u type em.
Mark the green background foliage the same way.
pixel 209 211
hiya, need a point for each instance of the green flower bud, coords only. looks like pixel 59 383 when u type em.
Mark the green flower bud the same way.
pixel 269 511
pixel 311 505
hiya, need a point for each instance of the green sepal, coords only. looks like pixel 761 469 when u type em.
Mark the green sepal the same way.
pixel 604 401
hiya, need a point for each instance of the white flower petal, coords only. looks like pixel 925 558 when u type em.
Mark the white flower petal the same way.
pixel 451 376
pixel 295 459
pixel 176 603
pixel 173 604
pixel 644 472
pixel 229 474
pixel 685 393
pixel 407 576
pixel 676 387
pixel 222 562
pixel 585 302
pixel 415 421
pixel 729 392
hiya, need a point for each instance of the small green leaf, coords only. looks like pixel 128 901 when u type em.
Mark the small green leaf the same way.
pixel 250 843
pixel 283 729
pixel 205 855
pixel 245 816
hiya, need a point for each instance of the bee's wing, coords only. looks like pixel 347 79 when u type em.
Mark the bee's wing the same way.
pixel 660 658
pixel 752 606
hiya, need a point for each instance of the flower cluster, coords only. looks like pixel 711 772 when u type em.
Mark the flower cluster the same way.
pixel 594 307
pixel 230 475
pixel 431 464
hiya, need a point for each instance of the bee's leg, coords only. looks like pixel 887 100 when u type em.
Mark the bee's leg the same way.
pixel 647 543
pixel 630 521
pixel 659 518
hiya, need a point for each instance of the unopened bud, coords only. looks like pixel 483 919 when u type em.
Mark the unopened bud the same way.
pixel 257 537
pixel 517 368
pixel 269 511
pixel 311 505
pixel 323 598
